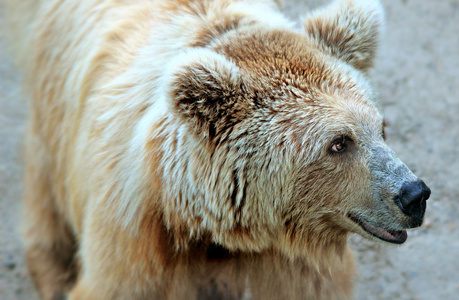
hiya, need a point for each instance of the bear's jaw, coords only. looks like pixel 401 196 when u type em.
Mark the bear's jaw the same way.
pixel 387 235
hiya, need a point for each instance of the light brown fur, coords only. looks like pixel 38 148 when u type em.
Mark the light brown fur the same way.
pixel 180 149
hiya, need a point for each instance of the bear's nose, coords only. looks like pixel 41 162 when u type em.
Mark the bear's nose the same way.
pixel 413 196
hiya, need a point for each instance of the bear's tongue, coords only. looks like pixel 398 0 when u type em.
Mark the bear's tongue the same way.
pixel 391 236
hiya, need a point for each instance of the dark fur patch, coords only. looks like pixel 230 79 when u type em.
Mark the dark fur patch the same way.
pixel 217 252
pixel 212 101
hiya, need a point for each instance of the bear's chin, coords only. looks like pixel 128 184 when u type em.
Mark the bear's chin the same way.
pixel 387 235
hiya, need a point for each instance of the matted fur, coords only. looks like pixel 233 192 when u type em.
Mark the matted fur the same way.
pixel 180 149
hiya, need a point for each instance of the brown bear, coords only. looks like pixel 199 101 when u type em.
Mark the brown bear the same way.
pixel 198 149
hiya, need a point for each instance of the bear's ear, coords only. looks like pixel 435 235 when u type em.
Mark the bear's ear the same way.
pixel 348 29
pixel 206 90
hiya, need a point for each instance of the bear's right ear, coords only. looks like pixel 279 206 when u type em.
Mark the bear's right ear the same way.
pixel 348 29
pixel 206 90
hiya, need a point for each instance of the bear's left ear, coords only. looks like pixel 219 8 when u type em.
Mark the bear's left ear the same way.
pixel 206 90
pixel 348 29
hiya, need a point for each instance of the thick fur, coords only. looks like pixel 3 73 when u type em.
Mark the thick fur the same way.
pixel 180 149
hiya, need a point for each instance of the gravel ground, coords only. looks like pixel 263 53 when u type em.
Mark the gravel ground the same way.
pixel 417 77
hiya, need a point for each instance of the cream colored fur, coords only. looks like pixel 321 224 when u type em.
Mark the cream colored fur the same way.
pixel 177 149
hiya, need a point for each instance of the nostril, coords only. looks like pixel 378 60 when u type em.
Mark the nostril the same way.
pixel 413 193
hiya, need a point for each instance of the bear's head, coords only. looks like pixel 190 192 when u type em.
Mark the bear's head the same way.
pixel 286 145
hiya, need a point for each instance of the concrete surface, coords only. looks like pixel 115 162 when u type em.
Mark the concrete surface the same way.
pixel 417 75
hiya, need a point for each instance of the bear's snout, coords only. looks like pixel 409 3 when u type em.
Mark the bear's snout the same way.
pixel 412 198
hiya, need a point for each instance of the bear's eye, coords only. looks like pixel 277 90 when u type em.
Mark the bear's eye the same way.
pixel 338 147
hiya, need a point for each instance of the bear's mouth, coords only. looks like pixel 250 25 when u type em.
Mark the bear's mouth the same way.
pixel 391 236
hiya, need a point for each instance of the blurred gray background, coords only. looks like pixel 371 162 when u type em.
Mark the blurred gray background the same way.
pixel 417 76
